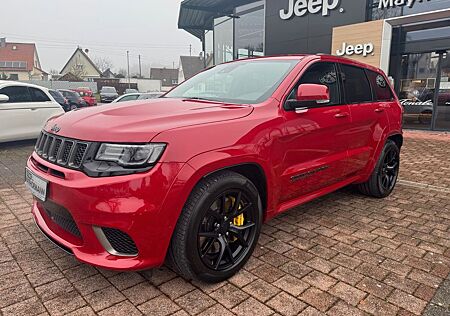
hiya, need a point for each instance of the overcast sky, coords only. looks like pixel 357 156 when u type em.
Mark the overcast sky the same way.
pixel 108 28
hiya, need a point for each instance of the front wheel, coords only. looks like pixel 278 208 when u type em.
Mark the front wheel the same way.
pixel 384 177
pixel 218 228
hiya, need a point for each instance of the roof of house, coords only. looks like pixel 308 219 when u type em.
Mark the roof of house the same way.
pixel 87 58
pixel 191 65
pixel 108 73
pixel 70 77
pixel 166 75
pixel 24 52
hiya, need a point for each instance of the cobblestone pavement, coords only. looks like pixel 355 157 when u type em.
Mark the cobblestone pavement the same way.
pixel 343 254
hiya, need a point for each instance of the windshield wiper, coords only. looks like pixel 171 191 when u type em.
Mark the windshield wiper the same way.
pixel 199 98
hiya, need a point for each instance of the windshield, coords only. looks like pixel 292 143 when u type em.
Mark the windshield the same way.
pixel 149 96
pixel 243 82
pixel 108 90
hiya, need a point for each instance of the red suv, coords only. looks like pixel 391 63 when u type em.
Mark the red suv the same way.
pixel 191 177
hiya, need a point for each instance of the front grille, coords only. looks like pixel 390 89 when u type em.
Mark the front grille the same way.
pixel 61 151
pixel 61 217
pixel 120 241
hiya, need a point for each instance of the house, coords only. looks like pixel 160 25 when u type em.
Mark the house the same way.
pixel 189 67
pixel 20 61
pixel 168 77
pixel 80 65
pixel 108 74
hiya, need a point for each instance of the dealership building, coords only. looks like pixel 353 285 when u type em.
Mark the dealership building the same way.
pixel 408 39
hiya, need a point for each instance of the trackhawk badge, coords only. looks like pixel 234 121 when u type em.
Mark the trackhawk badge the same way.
pixel 55 128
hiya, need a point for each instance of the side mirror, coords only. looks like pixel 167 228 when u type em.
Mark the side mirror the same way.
pixel 313 93
pixel 4 98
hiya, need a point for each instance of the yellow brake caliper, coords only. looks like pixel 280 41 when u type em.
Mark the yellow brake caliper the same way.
pixel 238 220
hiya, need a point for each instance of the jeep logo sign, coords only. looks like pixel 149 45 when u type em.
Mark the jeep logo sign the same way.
pixel 360 49
pixel 301 7
pixel 385 4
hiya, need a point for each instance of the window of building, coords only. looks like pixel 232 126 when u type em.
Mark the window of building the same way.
pixel 356 85
pixel 38 95
pixel 223 40
pixel 14 77
pixel 324 74
pixel 249 30
pixel 16 94
pixel 380 87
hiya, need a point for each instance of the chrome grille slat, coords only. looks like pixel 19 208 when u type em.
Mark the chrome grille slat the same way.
pixel 61 151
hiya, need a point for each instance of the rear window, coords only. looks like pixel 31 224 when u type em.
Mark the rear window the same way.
pixel 108 90
pixel 16 94
pixel 356 85
pixel 380 88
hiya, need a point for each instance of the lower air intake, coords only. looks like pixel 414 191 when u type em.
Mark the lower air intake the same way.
pixel 120 241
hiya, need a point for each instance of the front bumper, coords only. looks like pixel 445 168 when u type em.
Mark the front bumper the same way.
pixel 142 206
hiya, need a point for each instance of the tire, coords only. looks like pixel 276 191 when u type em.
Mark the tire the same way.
pixel 201 234
pixel 384 177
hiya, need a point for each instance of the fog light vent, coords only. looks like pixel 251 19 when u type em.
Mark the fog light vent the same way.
pixel 116 242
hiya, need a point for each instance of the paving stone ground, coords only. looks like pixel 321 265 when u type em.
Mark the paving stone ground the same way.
pixel 344 254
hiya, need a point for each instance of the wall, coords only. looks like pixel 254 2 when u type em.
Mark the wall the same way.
pixel 87 69
pixel 144 85
pixel 311 33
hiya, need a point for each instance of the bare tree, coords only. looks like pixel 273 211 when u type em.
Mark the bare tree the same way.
pixel 103 63
pixel 122 73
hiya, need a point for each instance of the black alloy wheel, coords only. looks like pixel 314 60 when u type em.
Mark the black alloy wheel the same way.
pixel 226 231
pixel 389 172
pixel 218 228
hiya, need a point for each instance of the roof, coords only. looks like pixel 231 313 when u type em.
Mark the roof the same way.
pixel 196 16
pixel 23 52
pixel 85 55
pixel 191 65
pixel 23 84
pixel 166 75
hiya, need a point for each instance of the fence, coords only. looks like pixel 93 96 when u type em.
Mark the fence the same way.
pixel 63 84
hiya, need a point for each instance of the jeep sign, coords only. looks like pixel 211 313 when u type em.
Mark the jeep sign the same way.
pixel 301 7
pixel 360 49
pixel 385 4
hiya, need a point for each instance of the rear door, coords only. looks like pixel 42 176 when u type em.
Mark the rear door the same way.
pixel 16 119
pixel 369 117
pixel 315 141
pixel 42 107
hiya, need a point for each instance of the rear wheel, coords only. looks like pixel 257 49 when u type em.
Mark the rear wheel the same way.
pixel 218 228
pixel 384 177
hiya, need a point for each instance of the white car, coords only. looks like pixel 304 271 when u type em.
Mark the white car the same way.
pixel 24 109
pixel 127 97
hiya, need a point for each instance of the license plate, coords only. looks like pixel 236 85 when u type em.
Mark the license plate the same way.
pixel 36 184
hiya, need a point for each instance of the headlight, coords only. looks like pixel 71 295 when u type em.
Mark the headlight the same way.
pixel 130 155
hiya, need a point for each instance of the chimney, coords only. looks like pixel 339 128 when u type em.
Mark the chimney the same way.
pixel 2 42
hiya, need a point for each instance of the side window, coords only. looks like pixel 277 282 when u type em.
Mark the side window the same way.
pixel 356 86
pixel 16 94
pixel 38 95
pixel 381 89
pixel 324 74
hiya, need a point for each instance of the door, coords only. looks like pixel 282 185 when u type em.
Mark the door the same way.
pixel 315 141
pixel 442 119
pixel 368 95
pixel 16 119
pixel 42 108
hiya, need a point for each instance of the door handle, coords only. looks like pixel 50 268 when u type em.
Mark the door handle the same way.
pixel 341 115
pixel 379 110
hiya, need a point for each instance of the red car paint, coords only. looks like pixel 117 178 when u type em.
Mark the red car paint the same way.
pixel 344 140
pixel 87 96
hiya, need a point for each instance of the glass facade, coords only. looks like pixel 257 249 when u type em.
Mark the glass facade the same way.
pixel 238 36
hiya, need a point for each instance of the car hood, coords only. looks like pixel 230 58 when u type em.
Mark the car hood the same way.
pixel 141 121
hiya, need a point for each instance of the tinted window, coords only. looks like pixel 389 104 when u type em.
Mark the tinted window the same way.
pixel 38 95
pixel 16 94
pixel 356 86
pixel 324 74
pixel 129 98
pixel 56 95
pixel 380 87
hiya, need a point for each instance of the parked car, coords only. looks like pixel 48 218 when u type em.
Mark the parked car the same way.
pixel 87 95
pixel 74 99
pixel 108 94
pixel 24 109
pixel 60 99
pixel 127 97
pixel 192 177
pixel 150 95
pixel 128 91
